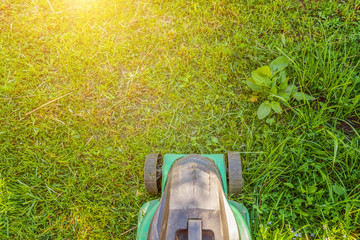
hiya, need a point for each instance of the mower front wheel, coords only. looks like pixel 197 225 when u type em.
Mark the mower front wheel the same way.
pixel 152 173
pixel 235 179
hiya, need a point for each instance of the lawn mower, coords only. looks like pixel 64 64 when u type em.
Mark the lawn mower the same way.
pixel 194 203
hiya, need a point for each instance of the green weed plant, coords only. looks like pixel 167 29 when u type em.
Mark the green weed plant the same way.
pixel 273 85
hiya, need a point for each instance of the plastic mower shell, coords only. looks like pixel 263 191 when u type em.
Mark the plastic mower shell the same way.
pixel 193 203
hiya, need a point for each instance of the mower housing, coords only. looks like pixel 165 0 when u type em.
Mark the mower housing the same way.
pixel 193 203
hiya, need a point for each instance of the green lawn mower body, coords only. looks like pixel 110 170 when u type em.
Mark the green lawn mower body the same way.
pixel 193 203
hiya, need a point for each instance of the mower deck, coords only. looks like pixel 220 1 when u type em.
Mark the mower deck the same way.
pixel 193 203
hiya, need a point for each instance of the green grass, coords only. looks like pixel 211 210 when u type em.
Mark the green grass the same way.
pixel 145 76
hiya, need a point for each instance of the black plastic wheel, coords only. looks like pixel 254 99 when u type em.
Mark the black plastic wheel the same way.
pixel 152 173
pixel 235 179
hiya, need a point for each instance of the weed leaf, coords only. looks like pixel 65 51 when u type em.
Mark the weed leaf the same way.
pixel 276 107
pixel 339 190
pixel 311 189
pixel 290 185
pixel 284 95
pixel 214 139
pixel 284 84
pixel 250 82
pixel 290 89
pixel 273 90
pixel 264 110
pixel 282 76
pixel 303 96
pixel 261 76
pixel 279 64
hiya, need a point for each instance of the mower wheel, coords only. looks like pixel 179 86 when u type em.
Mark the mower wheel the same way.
pixel 152 173
pixel 235 179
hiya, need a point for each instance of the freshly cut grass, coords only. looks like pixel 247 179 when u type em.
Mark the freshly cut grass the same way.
pixel 89 87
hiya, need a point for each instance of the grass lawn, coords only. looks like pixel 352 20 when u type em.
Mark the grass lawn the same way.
pixel 89 87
